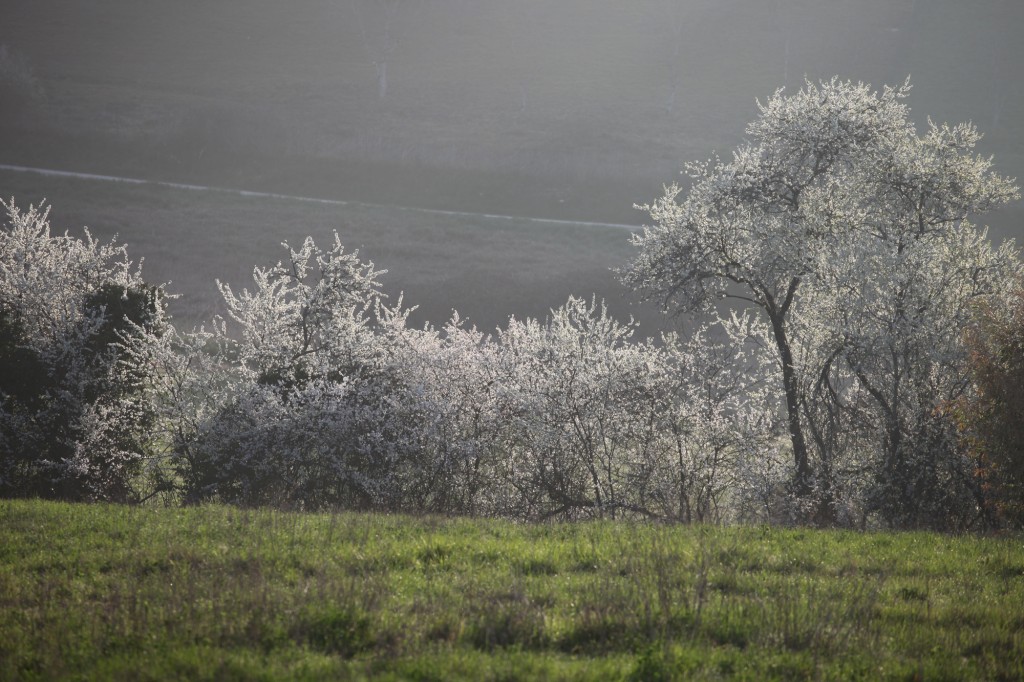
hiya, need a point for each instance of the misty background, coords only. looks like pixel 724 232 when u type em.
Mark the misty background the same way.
pixel 560 109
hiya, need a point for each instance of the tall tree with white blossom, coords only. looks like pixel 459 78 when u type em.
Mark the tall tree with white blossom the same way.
pixel 847 231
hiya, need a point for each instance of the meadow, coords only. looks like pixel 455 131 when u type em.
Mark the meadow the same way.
pixel 212 592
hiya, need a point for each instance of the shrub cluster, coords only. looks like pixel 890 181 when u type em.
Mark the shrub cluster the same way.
pixel 874 376
pixel 316 393
pixel 75 422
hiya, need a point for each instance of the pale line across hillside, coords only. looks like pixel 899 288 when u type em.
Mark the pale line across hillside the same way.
pixel 333 202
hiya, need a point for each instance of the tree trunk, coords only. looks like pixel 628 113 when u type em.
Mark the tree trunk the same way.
pixel 802 482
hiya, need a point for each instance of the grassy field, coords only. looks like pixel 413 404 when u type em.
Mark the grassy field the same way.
pixel 486 268
pixel 109 592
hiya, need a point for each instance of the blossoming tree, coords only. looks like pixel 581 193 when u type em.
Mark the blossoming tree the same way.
pixel 847 231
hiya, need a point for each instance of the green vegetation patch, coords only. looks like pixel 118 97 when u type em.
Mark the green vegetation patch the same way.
pixel 115 592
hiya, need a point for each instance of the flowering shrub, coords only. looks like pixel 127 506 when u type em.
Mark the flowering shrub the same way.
pixel 74 413
pixel 317 394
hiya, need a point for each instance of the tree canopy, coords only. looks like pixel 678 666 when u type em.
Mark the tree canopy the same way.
pixel 847 231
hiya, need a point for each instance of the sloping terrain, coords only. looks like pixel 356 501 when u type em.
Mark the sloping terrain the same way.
pixel 573 109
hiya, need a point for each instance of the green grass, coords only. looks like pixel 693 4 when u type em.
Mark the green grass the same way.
pixel 109 592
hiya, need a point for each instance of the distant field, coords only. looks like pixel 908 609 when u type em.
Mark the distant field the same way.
pixel 215 593
pixel 487 268
pixel 567 108
pixel 574 109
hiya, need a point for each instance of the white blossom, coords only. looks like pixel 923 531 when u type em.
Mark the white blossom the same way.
pixel 847 232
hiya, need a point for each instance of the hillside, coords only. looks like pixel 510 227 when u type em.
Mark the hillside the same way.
pixel 487 268
pixel 569 109
pixel 573 110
